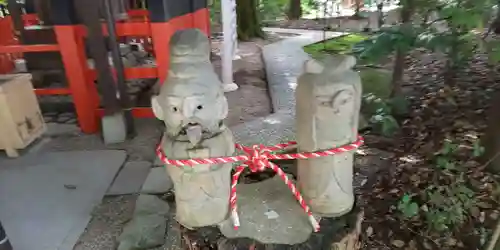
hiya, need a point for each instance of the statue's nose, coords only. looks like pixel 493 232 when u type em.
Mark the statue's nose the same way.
pixel 188 109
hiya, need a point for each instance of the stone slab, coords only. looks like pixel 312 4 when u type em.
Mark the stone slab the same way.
pixel 157 182
pixel 48 197
pixel 130 178
pixel 148 226
pixel 269 213
pixel 57 129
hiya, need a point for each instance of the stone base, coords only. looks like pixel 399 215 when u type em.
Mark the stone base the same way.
pixel 341 233
pixel 269 213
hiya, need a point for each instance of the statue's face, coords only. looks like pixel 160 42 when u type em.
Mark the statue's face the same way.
pixel 335 109
pixel 327 107
pixel 191 117
pixel 191 101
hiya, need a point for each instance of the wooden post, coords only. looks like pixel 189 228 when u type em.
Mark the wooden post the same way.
pixel 88 11
pixel 75 64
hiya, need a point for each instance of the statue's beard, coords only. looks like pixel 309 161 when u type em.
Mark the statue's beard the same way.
pixel 195 132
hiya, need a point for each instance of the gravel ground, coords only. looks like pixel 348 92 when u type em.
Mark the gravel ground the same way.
pixel 108 219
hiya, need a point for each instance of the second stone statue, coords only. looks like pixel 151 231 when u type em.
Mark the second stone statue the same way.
pixel 328 99
pixel 192 105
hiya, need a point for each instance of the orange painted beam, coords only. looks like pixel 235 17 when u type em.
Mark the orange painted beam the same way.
pixel 124 29
pixel 131 73
pixel 53 91
pixel 137 112
pixel 28 48
pixel 138 13
pixel 132 29
pixel 75 63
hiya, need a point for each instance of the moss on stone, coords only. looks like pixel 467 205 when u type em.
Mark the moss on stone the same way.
pixel 337 45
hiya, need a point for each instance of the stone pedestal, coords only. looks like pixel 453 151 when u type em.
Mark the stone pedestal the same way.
pixel 328 99
pixel 269 213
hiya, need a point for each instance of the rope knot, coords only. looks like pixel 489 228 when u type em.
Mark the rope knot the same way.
pixel 259 158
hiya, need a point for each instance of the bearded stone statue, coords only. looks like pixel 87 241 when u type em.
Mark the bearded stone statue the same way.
pixel 192 105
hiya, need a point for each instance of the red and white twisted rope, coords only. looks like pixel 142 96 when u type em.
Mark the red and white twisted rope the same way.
pixel 257 159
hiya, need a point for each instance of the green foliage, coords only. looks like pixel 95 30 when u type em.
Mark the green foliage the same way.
pixel 444 208
pixel 381 114
pixel 400 105
pixel 447 206
pixel 452 32
pixel 376 81
pixel 407 206
pixel 385 42
pixel 310 6
pixel 215 11
pixel 445 157
pixel 268 9
pixel 338 45
pixel 273 9
pixel 477 149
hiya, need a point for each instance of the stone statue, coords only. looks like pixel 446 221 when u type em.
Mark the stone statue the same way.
pixel 192 105
pixel 328 100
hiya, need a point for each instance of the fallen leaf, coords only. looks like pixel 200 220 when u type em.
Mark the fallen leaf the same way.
pixel 427 245
pixel 424 208
pixel 369 231
pixel 494 215
pixel 484 205
pixel 363 182
pixel 451 241
pixel 394 191
pixel 474 211
pixel 398 243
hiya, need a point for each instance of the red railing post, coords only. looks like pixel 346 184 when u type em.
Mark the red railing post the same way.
pixel 75 65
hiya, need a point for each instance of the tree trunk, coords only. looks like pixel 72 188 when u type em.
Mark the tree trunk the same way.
pixel 358 4
pixel 491 140
pixel 399 62
pixel 380 9
pixel 450 69
pixel 295 10
pixel 247 19
pixel 397 73
pixel 496 23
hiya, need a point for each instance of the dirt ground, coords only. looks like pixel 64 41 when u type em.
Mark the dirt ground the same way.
pixel 251 100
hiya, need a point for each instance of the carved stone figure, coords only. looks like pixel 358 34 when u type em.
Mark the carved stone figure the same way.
pixel 328 100
pixel 192 105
